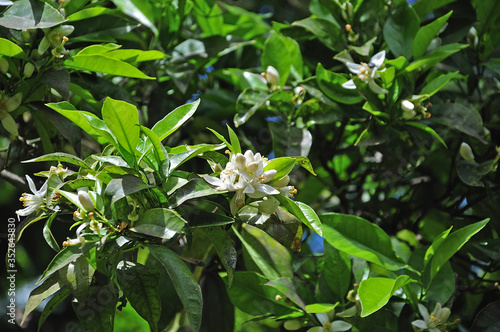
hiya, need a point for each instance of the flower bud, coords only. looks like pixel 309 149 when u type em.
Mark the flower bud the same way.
pixel 272 77
pixel 29 68
pixel 86 201
pixel 26 36
pixel 4 66
pixel 466 152
pixel 13 102
pixel 408 109
pixel 292 325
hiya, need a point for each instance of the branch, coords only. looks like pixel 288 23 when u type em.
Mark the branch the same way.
pixel 14 179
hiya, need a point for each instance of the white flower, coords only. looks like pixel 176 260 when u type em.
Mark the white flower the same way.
pixel 408 109
pixel 367 72
pixel 284 188
pixel 466 152
pixel 80 240
pixel 244 174
pixel 434 322
pixel 272 77
pixel 33 201
pixel 328 326
pixel 86 201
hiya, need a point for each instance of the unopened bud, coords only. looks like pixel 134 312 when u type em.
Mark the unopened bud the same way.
pixel 466 152
pixel 292 325
pixel 86 201
pixel 29 68
pixel 272 77
pixel 4 66
pixel 408 109
pixel 348 27
pixel 13 102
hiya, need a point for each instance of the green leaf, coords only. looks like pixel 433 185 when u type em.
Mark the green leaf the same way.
pixel 303 212
pixel 435 56
pixel 249 294
pixel 60 157
pixel 122 119
pixel 47 234
pixel 286 287
pixel 320 308
pixel 223 139
pixel 374 293
pixel 103 64
pixel 327 31
pixel 89 13
pixel 427 130
pixel 153 141
pixel 57 299
pixel 436 84
pixel 464 119
pixel 31 14
pixel 180 158
pixel 131 55
pixel 10 49
pixel 185 285
pixel 427 33
pixel 283 53
pixel 400 30
pixel 423 7
pixel 142 11
pixel 471 172
pixel 452 244
pixel 359 237
pixel 69 111
pixel 174 120
pixel 99 317
pixel 77 276
pixel 435 244
pixel 37 295
pixel 159 222
pixel 194 188
pixel 141 286
pixel 331 85
pixel 284 165
pixel 337 271
pixel 257 254
pixel 235 142
pixel 225 249
pixel 124 186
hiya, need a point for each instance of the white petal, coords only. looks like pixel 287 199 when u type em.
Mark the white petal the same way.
pixel 423 311
pixel 353 67
pixel 269 175
pixel 249 155
pixel 444 314
pixel 213 180
pixel 31 184
pixel 375 88
pixel 43 189
pixel 378 59
pixel 323 318
pixel 26 211
pixel 249 189
pixel 339 325
pixel 349 85
pixel 267 189
pixel 240 161
pixel 420 324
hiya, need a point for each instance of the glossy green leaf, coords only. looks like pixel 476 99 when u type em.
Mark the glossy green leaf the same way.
pixel 122 119
pixel 89 13
pixel 286 287
pixel 428 130
pixel 283 53
pixel 471 172
pixel 320 308
pixel 77 276
pixel 159 222
pixel 337 271
pixel 423 7
pixel 435 56
pixel 194 188
pixel 10 49
pixel 436 84
pixel 54 302
pixel 185 285
pixel 374 293
pixel 60 157
pixel 131 55
pixel 103 64
pixel 40 293
pixel 47 234
pixel 141 286
pixel 452 244
pixel 359 237
pixel 461 118
pixel 235 142
pixel 142 11
pixel 260 256
pixel 303 212
pixel 327 31
pixel 98 318
pixel 124 186
pixel 249 294
pixel 427 33
pixel 31 14
pixel 400 30
pixel 225 249
pixel 331 85
pixel 180 158
pixel 174 120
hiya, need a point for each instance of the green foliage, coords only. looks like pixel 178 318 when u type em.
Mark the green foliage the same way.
pixel 390 109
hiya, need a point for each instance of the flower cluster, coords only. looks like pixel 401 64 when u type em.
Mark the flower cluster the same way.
pixel 434 322
pixel 245 175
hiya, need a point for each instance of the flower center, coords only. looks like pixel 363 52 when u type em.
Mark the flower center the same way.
pixel 364 70
pixel 26 199
pixel 435 320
